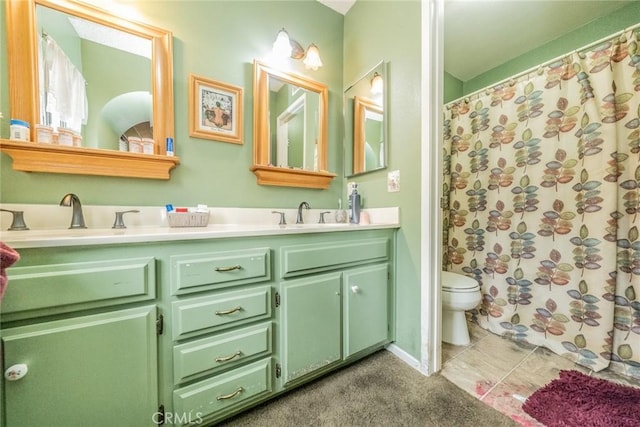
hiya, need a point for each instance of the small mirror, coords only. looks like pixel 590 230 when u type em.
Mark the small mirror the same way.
pixel 365 123
pixel 290 129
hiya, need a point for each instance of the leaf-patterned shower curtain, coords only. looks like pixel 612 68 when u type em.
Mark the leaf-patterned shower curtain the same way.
pixel 543 182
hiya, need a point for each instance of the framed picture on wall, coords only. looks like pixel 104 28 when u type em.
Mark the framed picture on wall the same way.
pixel 215 110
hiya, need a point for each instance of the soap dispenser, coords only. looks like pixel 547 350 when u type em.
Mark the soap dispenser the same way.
pixel 354 205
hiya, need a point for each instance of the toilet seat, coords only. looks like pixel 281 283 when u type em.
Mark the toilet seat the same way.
pixel 461 288
pixel 458 283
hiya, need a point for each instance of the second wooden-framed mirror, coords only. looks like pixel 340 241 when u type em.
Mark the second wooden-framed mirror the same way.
pixel 25 34
pixel 365 137
pixel 290 129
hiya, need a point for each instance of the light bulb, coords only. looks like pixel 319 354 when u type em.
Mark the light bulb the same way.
pixel 282 45
pixel 376 84
pixel 312 60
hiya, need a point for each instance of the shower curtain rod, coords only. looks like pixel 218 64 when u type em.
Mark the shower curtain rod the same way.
pixel 537 67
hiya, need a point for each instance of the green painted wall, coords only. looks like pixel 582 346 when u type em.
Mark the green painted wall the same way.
pixel 453 88
pixel 391 31
pixel 218 40
pixel 115 66
pixel 603 27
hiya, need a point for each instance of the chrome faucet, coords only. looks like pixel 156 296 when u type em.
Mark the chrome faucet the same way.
pixel 77 219
pixel 299 217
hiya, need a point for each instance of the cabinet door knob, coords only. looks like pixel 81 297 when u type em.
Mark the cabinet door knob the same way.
pixel 355 289
pixel 16 372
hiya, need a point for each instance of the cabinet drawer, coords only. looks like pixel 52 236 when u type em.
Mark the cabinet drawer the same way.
pixel 224 391
pixel 80 285
pixel 312 258
pixel 220 310
pixel 219 268
pixel 221 351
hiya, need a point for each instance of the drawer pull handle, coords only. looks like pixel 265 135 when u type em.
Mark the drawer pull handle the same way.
pixel 232 395
pixel 233 267
pixel 224 312
pixel 227 358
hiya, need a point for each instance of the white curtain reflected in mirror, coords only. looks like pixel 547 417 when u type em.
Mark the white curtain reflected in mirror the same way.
pixel 85 66
pixel 365 123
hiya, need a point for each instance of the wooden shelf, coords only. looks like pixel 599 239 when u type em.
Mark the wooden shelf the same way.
pixel 32 157
pixel 271 175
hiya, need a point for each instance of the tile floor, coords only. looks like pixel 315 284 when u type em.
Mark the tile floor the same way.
pixel 502 373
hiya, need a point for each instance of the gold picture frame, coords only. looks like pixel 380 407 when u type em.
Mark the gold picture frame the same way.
pixel 215 110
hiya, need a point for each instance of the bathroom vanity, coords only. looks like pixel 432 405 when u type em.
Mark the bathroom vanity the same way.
pixel 187 326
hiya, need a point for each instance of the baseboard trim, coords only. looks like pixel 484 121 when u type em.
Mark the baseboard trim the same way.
pixel 406 358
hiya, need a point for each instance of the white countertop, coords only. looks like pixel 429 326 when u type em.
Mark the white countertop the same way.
pixel 223 223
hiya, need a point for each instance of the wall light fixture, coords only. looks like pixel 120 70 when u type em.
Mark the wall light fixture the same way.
pixel 376 83
pixel 286 47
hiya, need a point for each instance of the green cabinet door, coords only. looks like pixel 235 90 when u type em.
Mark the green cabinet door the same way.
pixel 366 308
pixel 310 324
pixel 97 370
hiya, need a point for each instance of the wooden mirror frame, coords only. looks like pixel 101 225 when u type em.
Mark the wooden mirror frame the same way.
pixel 22 48
pixel 266 173
pixel 360 107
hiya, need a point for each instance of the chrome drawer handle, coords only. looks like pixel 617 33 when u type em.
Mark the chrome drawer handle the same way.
pixel 232 395
pixel 227 358
pixel 233 310
pixel 233 267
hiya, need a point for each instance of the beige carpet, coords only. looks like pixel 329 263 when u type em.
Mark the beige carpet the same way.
pixel 380 390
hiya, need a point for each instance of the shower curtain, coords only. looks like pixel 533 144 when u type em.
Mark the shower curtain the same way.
pixel 542 177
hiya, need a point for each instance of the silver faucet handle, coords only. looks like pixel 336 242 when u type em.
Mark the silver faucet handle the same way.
pixel 17 221
pixel 283 221
pixel 322 214
pixel 119 222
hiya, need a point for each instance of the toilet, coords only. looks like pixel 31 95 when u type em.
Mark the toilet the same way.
pixel 459 293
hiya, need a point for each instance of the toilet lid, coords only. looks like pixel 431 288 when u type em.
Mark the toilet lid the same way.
pixel 458 282
pixel 461 287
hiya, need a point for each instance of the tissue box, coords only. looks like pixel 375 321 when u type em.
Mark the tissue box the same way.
pixel 188 219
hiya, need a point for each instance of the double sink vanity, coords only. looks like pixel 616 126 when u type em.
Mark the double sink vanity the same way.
pixel 150 324
pixel 147 324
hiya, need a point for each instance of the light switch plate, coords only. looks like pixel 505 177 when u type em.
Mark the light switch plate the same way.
pixel 393 181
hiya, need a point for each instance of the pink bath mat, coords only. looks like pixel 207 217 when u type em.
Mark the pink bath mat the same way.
pixel 576 399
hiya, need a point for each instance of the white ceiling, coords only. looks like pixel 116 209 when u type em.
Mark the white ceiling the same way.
pixel 480 35
pixel 341 6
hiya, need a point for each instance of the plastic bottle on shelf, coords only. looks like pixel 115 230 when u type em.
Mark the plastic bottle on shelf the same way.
pixel 354 205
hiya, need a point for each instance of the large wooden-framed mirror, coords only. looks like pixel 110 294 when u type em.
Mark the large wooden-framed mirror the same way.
pixel 365 136
pixel 290 129
pixel 25 33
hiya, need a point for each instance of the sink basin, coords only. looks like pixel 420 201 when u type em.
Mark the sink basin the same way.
pixel 316 225
pixel 62 233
